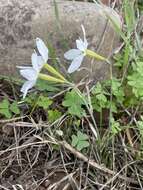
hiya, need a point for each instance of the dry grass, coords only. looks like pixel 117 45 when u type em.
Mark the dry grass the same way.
pixel 33 157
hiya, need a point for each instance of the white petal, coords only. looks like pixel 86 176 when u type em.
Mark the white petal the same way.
pixel 37 62
pixel 40 62
pixel 34 61
pixel 75 63
pixel 72 54
pixel 29 74
pixel 26 86
pixel 42 48
pixel 80 45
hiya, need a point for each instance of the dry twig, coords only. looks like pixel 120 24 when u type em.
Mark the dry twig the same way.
pixel 96 165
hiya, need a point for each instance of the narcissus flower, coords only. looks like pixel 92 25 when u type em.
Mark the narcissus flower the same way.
pixel 43 51
pixel 31 73
pixel 77 55
pixel 38 62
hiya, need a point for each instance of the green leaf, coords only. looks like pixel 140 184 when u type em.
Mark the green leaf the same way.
pixel 4 108
pixel 135 79
pixel 117 90
pixel 81 136
pixel 99 100
pixel 97 89
pixel 102 99
pixel 115 126
pixel 44 102
pixel 74 140
pixel 53 115
pixel 4 104
pixel 6 113
pixel 80 141
pixel 46 86
pixel 112 106
pixel 82 144
pixel 31 98
pixel 14 108
pixel 74 103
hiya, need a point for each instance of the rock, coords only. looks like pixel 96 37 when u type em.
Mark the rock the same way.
pixel 59 26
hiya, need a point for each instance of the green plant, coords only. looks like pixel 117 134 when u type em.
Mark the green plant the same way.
pixel 99 99
pixel 80 141
pixel 53 115
pixel 115 126
pixel 74 102
pixel 7 109
pixel 34 101
pixel 135 79
pixel 45 86
pixel 43 102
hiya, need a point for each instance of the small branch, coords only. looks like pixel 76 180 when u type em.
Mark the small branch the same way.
pixel 12 120
pixel 94 164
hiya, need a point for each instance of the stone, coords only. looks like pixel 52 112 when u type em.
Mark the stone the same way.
pixel 59 25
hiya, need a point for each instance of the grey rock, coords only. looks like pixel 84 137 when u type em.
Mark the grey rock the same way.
pixel 21 21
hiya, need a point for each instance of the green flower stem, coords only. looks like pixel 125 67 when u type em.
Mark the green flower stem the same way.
pixel 95 55
pixel 50 78
pixel 89 109
pixel 53 71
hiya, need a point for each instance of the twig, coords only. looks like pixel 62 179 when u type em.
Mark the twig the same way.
pixel 13 119
pixel 96 165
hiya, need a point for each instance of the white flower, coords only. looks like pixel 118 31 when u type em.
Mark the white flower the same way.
pixel 31 73
pixel 77 55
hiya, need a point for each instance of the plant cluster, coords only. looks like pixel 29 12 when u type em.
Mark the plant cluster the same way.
pixel 121 95
pixel 100 124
